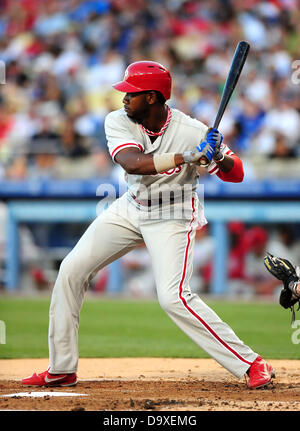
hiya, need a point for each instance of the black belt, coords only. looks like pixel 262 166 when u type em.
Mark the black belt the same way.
pixel 150 202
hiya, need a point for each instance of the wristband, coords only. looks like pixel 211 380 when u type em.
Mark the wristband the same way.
pixel 163 162
pixel 190 156
pixel 221 159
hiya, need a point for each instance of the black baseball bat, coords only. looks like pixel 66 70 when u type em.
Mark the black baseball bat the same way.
pixel 236 67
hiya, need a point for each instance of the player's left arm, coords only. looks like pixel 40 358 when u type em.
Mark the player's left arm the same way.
pixel 221 160
pixel 231 170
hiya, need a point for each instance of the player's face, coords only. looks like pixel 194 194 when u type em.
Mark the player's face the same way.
pixel 136 105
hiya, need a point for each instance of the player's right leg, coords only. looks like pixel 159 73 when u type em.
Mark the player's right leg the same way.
pixel 170 244
pixel 109 237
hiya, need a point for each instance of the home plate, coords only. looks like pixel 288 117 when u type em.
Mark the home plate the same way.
pixel 44 394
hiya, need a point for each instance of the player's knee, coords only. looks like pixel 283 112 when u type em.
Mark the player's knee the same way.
pixel 168 302
pixel 67 268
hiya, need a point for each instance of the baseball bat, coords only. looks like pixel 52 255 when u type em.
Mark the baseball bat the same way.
pixel 236 67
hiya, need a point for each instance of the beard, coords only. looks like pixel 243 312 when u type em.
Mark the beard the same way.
pixel 137 115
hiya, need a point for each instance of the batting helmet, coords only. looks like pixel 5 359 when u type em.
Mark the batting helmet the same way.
pixel 146 75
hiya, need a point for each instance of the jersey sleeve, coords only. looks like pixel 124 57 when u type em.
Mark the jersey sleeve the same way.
pixel 118 135
pixel 213 167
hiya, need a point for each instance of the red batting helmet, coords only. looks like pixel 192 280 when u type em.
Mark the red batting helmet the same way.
pixel 146 75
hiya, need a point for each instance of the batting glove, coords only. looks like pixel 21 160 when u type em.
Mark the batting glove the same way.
pixel 215 138
pixel 207 149
pixel 192 156
pixel 210 148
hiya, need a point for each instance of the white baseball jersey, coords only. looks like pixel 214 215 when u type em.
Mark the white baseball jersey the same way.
pixel 182 134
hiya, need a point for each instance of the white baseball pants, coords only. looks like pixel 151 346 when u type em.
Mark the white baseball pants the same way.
pixel 170 244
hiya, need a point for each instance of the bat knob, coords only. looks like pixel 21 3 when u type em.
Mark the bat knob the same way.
pixel 203 161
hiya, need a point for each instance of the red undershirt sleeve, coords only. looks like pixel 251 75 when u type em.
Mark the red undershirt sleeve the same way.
pixel 236 174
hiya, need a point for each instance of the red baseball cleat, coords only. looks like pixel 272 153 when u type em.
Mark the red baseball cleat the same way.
pixel 260 374
pixel 47 379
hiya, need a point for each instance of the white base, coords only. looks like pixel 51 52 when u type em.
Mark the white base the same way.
pixel 43 394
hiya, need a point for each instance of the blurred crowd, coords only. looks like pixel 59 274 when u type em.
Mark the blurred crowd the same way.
pixel 132 274
pixel 247 276
pixel 62 57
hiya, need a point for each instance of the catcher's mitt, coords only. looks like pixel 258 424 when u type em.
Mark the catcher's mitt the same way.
pixel 283 270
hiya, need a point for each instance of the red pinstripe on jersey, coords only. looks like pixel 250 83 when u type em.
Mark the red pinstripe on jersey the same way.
pixel 206 325
pixel 214 170
pixel 127 145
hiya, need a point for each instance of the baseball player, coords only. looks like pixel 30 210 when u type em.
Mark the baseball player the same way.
pixel 159 149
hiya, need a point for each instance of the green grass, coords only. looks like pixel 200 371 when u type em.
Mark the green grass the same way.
pixel 114 328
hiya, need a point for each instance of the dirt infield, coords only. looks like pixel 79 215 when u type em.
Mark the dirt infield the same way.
pixel 151 384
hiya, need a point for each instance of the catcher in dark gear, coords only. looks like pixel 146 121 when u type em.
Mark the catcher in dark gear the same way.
pixel 285 271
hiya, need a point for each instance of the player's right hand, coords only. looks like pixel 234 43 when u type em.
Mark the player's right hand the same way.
pixel 192 156
pixel 203 149
pixel 207 149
